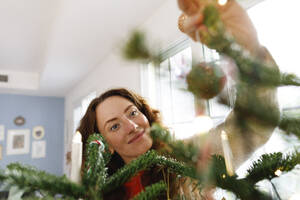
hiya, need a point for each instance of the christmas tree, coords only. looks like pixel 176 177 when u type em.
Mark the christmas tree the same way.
pixel 180 157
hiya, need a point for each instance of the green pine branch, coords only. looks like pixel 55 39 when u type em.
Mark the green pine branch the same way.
pixel 291 125
pixel 29 177
pixel 151 192
pixel 243 188
pixel 137 49
pixel 129 170
pixel 184 152
pixel 266 166
pixel 143 162
pixel 3 177
pixel 219 177
pixel 97 156
pixel 176 167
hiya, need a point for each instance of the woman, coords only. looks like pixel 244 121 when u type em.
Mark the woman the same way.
pixel 123 118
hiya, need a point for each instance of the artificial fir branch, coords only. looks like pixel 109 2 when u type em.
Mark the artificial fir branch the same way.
pixel 2 176
pixel 291 125
pixel 146 161
pixel 266 166
pixel 137 49
pixel 185 152
pixel 219 177
pixel 151 192
pixel 29 177
pixel 290 79
pixel 176 167
pixel 129 170
pixel 243 188
pixel 122 175
pixel 97 156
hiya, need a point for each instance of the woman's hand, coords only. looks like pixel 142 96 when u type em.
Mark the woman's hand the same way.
pixel 233 16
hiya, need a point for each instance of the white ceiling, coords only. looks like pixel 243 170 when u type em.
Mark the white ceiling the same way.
pixel 48 46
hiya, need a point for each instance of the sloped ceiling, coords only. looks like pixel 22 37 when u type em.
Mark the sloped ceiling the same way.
pixel 46 47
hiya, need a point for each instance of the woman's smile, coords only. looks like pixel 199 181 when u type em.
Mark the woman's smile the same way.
pixel 137 137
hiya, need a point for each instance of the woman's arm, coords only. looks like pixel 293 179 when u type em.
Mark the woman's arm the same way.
pixel 246 138
pixel 243 140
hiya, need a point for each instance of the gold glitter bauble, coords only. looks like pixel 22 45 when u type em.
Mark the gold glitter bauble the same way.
pixel 181 20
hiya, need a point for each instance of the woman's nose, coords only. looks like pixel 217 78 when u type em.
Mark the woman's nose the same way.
pixel 130 126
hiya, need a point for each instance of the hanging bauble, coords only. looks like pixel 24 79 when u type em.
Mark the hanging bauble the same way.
pixel 206 80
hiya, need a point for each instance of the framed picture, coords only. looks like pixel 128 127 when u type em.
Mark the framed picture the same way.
pixel 38 132
pixel 2 132
pixel 38 149
pixel 0 152
pixel 18 141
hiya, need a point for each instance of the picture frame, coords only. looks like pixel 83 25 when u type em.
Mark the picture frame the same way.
pixel 38 149
pixel 19 121
pixel 2 132
pixel 18 141
pixel 38 132
pixel 1 152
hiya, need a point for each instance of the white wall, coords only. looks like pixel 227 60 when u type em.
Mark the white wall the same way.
pixel 162 26
pixel 115 72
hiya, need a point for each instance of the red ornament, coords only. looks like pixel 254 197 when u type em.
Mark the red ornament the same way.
pixel 206 80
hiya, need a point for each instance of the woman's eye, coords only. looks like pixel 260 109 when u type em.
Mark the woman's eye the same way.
pixel 134 113
pixel 114 127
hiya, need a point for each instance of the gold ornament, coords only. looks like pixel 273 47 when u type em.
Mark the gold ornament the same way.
pixel 181 20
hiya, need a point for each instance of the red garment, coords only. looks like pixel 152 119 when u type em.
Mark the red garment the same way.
pixel 134 185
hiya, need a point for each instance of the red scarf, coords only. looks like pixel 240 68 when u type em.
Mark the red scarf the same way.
pixel 134 185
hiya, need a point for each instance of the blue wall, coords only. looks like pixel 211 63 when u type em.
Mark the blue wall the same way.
pixel 37 111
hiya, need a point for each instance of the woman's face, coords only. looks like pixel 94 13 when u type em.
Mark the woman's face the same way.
pixel 124 127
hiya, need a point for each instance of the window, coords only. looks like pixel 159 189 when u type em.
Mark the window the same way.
pixel 166 89
pixel 80 110
pixel 280 35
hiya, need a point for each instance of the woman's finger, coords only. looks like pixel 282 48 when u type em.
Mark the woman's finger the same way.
pixel 190 24
pixel 189 7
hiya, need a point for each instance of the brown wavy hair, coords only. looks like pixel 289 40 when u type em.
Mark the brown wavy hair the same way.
pixel 88 126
